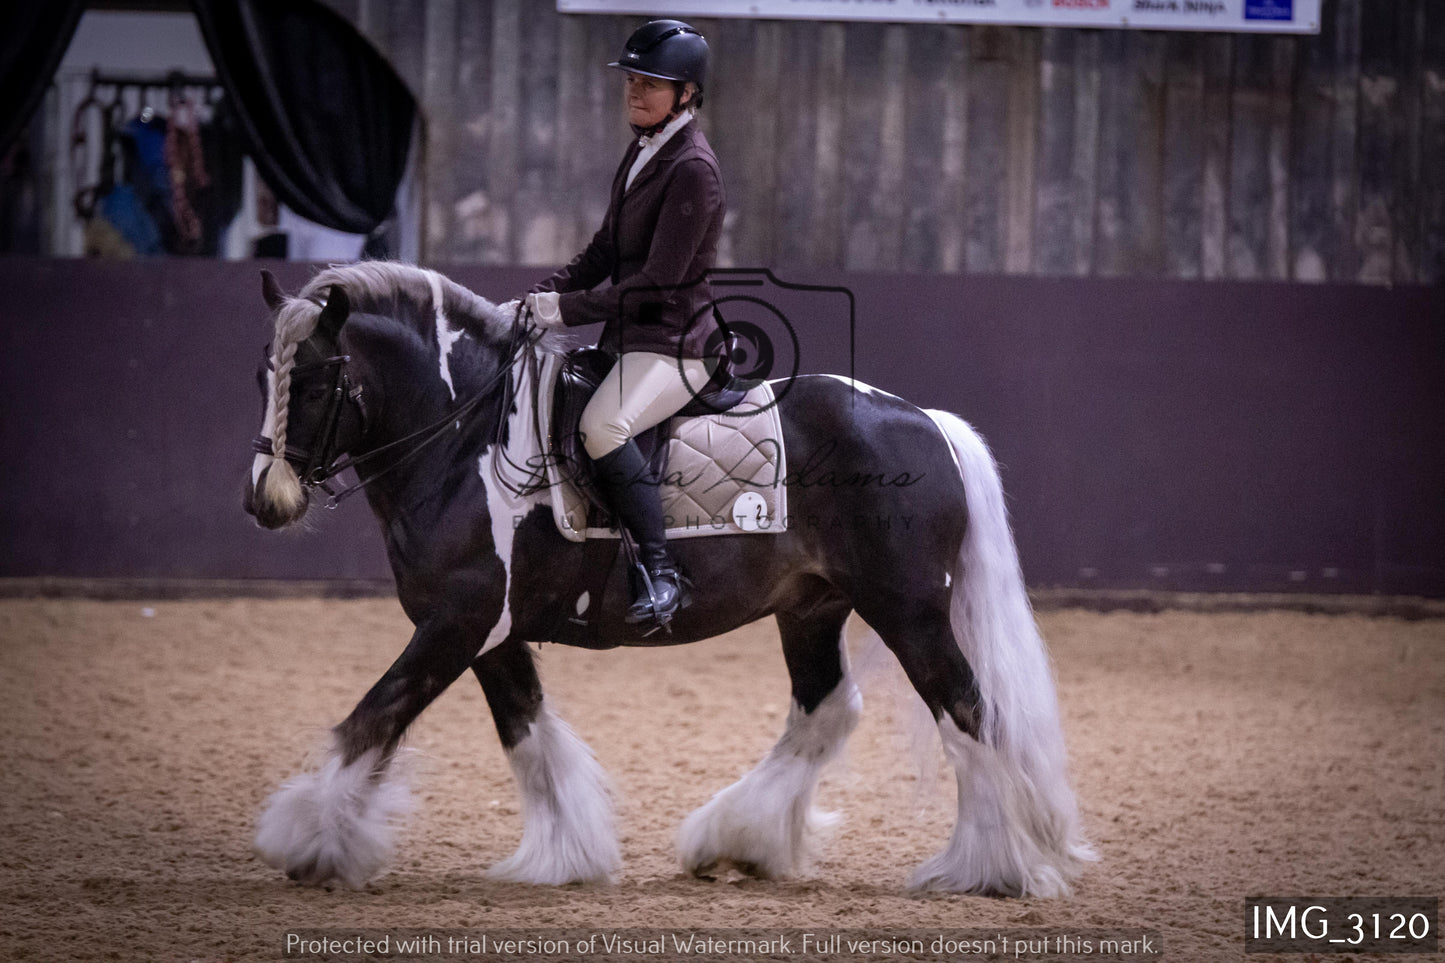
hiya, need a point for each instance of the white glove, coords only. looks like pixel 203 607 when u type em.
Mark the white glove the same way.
pixel 545 309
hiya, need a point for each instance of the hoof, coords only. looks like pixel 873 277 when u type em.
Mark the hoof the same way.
pixel 336 824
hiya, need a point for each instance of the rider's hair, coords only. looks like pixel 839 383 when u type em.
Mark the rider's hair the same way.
pixel 678 106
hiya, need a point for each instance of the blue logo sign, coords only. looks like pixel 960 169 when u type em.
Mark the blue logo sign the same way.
pixel 1269 9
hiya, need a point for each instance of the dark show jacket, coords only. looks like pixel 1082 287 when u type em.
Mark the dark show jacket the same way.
pixel 656 244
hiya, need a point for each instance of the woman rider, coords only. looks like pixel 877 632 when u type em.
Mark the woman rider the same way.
pixel 656 245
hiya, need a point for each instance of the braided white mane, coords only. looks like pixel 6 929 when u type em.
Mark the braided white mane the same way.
pixel 295 321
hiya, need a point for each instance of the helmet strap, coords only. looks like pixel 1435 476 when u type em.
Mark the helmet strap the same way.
pixel 657 128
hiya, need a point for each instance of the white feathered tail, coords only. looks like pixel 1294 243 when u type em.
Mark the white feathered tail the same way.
pixel 1018 825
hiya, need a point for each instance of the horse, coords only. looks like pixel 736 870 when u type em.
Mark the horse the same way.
pixel 425 389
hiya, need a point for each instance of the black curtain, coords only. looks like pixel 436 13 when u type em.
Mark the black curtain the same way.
pixel 328 120
pixel 33 39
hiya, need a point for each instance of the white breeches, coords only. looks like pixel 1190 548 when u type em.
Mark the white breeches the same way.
pixel 642 389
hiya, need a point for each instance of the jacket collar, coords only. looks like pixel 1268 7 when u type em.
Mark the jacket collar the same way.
pixel 679 138
pixel 664 130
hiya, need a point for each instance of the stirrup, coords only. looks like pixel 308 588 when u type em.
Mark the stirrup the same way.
pixel 659 620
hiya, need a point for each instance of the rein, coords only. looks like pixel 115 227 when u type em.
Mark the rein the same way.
pixel 531 482
pixel 321 468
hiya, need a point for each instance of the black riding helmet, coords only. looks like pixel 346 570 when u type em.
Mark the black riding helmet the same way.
pixel 668 50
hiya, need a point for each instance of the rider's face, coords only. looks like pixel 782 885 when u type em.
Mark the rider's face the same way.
pixel 649 99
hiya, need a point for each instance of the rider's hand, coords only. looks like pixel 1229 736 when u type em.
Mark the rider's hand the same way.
pixel 545 310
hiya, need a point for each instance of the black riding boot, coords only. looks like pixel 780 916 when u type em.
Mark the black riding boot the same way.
pixel 628 488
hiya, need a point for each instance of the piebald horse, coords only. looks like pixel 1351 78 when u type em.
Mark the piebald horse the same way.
pixel 427 391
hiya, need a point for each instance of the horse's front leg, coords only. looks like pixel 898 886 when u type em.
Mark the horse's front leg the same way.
pixel 338 822
pixel 568 830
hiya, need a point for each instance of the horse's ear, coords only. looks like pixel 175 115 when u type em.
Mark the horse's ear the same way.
pixel 333 316
pixel 271 290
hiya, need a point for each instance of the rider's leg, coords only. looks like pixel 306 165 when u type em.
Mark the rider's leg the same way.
pixel 640 391
pixel 623 480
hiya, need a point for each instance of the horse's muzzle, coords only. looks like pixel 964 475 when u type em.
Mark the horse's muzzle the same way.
pixel 267 514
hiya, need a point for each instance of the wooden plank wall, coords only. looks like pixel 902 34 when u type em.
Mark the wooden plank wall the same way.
pixel 958 149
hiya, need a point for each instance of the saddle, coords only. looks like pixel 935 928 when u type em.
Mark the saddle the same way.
pixel 720 455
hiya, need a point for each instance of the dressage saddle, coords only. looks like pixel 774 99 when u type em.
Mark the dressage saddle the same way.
pixel 581 373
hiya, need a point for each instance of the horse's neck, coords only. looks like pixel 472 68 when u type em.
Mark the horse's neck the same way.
pixel 470 444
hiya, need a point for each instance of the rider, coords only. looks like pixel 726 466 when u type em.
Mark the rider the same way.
pixel 657 242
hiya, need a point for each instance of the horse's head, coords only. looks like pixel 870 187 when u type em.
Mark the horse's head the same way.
pixel 311 416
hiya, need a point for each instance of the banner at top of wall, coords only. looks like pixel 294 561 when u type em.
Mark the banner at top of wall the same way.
pixel 1259 16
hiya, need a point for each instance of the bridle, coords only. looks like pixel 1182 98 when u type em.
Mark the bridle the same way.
pixel 323 462
pixel 317 463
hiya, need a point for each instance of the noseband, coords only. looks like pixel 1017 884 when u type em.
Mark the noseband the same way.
pixel 324 462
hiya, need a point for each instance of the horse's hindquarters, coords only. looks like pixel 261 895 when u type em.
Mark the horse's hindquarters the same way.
pixel 902 510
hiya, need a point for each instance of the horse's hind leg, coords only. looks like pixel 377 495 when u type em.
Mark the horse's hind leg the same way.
pixel 1014 835
pixel 338 822
pixel 762 823
pixel 568 832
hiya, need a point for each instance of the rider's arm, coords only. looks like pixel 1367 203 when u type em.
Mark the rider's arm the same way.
pixel 588 269
pixel 692 202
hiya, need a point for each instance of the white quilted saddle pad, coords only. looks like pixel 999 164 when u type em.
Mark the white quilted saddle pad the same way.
pixel 724 472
